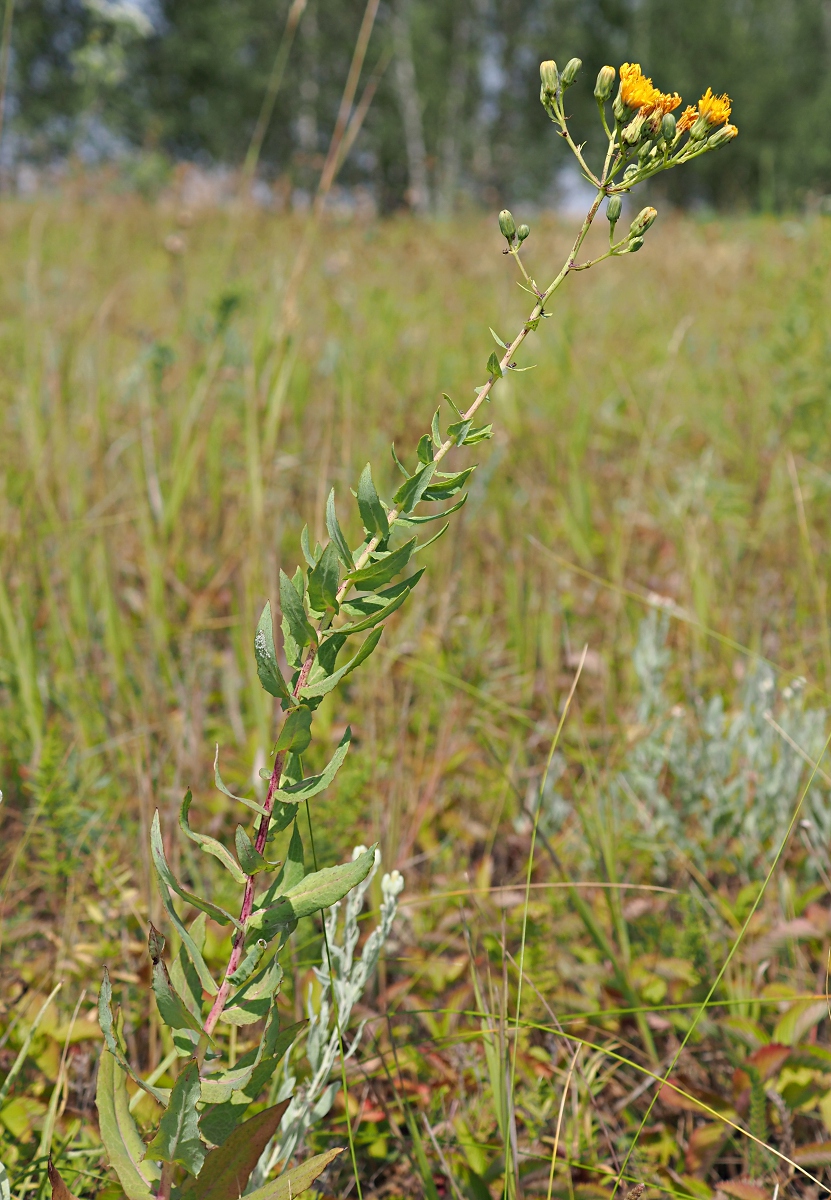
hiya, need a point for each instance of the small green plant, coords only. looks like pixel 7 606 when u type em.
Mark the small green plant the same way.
pixel 207 1143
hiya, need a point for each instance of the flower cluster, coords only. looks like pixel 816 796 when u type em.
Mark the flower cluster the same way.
pixel 638 92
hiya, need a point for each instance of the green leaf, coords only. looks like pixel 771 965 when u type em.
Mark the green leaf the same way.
pixel 294 793
pixel 171 1006
pixel 304 546
pixel 435 429
pixel 249 964
pixel 320 889
pixel 434 538
pixel 242 1086
pixel 481 434
pixel 295 614
pixel 406 522
pixel 498 339
pixel 294 869
pixel 299 1179
pixel 398 462
pixel 166 876
pixel 456 410
pixel 323 581
pixel 374 607
pixel 107 1023
pixel 322 686
pixel 183 974
pixel 532 326
pixel 519 370
pixel 424 450
pixel 372 510
pixel 177 1139
pixel 336 533
pixel 411 491
pixel 445 488
pixel 459 431
pixel 222 788
pixel 208 844
pixel 296 732
pixel 267 669
pixel 494 368
pixel 384 569
pixel 228 1168
pixel 121 1138
pixel 255 998
pixel 249 857
pixel 218 1086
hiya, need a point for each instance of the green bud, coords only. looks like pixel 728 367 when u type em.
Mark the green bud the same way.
pixel 613 206
pixel 507 224
pixel 725 134
pixel 699 130
pixel 605 83
pixel 549 78
pixel 645 150
pixel 632 133
pixel 668 127
pixel 642 222
pixel 635 245
pixel 570 71
pixel 619 109
pixel 522 232
pixel 630 172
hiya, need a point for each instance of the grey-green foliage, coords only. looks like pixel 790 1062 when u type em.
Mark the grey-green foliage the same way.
pixel 312 1099
pixel 711 781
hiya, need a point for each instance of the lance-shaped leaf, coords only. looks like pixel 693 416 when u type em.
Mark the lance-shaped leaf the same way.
pixel 321 686
pixel 249 964
pixel 307 554
pixel 412 520
pixel 320 889
pixel 107 1022
pixel 254 999
pixel 208 844
pixel 219 1120
pixel 371 509
pixel 293 871
pixel 435 429
pixel 424 449
pixel 295 734
pixel 411 491
pixel 171 1006
pixel 222 788
pixel 177 1139
pixel 482 433
pixel 298 1179
pixel 336 534
pixel 269 673
pixel 375 607
pixel 218 1085
pixel 166 876
pixel 323 581
pixel 295 614
pixel 121 1138
pixel 228 1167
pixel 384 569
pixel 183 974
pixel 193 950
pixel 443 489
pixel 294 793
pixel 498 339
pixel 249 856
pixel 59 1189
pixel 494 368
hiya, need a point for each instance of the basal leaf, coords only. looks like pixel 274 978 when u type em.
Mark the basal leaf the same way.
pixel 121 1138
pixel 295 614
pixel 323 581
pixel 299 1179
pixel 208 844
pixel 413 488
pixel 384 569
pixel 166 877
pixel 322 686
pixel 295 734
pixel 228 1167
pixel 269 673
pixel 336 533
pixel 371 509
pixel 177 1139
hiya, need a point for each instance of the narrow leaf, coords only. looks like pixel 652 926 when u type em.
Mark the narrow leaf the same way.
pixel 294 613
pixel 107 1023
pixel 459 431
pixel 306 788
pixel 336 534
pixel 228 1168
pixel 456 410
pixel 304 546
pixel 322 686
pixel 171 1006
pixel 269 673
pixel 249 857
pixel 481 434
pixel 498 339
pixel 411 491
pixel 398 462
pixel 445 488
pixel 435 429
pixel 320 889
pixel 384 570
pixel 411 520
pixel 323 581
pixel 372 510
pixel 208 844
pixel 299 1179
pixel 177 1139
pixel 424 450
pixel 373 607
pixel 166 877
pixel 121 1138
pixel 249 964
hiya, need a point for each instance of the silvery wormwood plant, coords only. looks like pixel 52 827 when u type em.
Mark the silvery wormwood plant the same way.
pixel 208 1143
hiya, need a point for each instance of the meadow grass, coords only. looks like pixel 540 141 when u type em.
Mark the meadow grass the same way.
pixel 160 455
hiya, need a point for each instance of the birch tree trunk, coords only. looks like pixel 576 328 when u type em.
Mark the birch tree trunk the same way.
pixel 418 192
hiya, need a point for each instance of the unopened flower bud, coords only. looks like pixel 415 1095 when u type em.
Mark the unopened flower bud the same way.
pixel 725 134
pixel 507 224
pixel 644 150
pixel 605 83
pixel 570 71
pixel 522 232
pixel 632 133
pixel 668 127
pixel 619 108
pixel 549 78
pixel 635 245
pixel 613 206
pixel 642 221
pixel 630 172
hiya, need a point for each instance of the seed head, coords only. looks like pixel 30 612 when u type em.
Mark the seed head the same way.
pixel 605 82
pixel 725 134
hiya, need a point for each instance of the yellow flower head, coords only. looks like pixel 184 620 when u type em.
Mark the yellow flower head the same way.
pixel 637 91
pixel 687 119
pixel 714 109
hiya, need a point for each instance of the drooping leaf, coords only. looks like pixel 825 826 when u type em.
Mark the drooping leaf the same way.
pixel 494 368
pixel 172 1008
pixel 166 877
pixel 323 581
pixel 336 533
pixel 295 734
pixel 208 844
pixel 59 1189
pixel 295 614
pixel 384 569
pixel 321 686
pixel 267 669
pixel 121 1138
pixel 320 889
pixel 424 450
pixel 498 339
pixel 443 489
pixel 374 607
pixel 371 509
pixel 299 1179
pixel 107 1022
pixel 410 521
pixel 398 462
pixel 228 1167
pixel 412 490
pixel 177 1139
pixel 306 788
pixel 222 788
